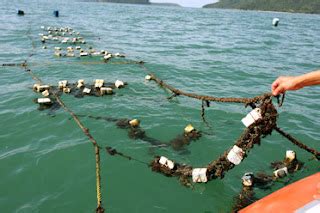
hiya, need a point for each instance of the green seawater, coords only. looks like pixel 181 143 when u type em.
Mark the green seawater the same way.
pixel 47 164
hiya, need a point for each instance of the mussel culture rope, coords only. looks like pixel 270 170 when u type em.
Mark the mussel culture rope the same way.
pixel 217 168
pixel 247 101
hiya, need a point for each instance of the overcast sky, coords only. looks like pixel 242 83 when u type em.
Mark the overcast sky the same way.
pixel 188 3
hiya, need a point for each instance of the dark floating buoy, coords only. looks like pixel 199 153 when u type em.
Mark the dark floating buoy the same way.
pixel 20 12
pixel 56 13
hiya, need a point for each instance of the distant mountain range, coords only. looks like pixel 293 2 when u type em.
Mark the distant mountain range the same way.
pixel 299 6
pixel 123 1
pixel 135 2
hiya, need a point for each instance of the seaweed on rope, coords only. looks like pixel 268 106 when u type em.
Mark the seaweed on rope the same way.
pixel 217 168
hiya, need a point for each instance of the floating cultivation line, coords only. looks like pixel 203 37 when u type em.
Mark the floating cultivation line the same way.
pixel 260 122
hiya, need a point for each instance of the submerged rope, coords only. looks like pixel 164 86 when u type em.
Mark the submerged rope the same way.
pixel 178 92
pixel 85 130
pixel 298 143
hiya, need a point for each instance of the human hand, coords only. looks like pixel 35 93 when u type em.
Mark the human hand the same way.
pixel 284 83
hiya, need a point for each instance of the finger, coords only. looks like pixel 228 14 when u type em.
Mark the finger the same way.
pixel 276 83
pixel 278 90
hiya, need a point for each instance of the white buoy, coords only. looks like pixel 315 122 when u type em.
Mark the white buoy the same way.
pixel 235 155
pixel 84 54
pixel 44 101
pixel 252 117
pixel 247 179
pixel 45 93
pixel 280 173
pixel 80 83
pixel 275 22
pixel 107 57
pixel 106 90
pixel 291 155
pixel 134 123
pixel 189 128
pixel 119 84
pixel 70 54
pixel 66 90
pixel 119 55
pixel 166 162
pixel 98 83
pixel 199 175
pixel 86 90
pixel 58 54
pixel 148 77
pixel 62 84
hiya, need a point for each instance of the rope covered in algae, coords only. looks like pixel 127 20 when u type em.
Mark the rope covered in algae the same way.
pixel 96 147
pixel 85 130
pixel 298 143
pixel 178 92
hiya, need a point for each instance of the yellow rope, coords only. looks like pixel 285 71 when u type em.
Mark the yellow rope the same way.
pixel 87 133
pixel 98 178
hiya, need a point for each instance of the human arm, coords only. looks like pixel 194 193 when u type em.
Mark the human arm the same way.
pixel 284 83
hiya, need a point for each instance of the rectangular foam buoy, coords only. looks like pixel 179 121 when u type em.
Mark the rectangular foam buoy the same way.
pixel 119 84
pixel 57 48
pixel 44 100
pixel 63 83
pixel 42 88
pixel 84 54
pixel 280 173
pixel 107 57
pixel 66 90
pixel 70 54
pixel 148 77
pixel 235 155
pixel 45 93
pixel 95 53
pixel 291 155
pixel 252 117
pixel 106 90
pixel 199 175
pixel 166 162
pixel 86 90
pixel 98 83
pixel 80 83
pixel 119 55
pixel 65 40
pixel 163 160
pixel 78 47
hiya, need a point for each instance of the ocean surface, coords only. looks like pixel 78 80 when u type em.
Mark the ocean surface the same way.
pixel 47 164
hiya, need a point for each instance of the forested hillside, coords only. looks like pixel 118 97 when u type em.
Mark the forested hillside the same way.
pixel 301 6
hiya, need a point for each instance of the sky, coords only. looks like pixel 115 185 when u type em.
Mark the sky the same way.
pixel 188 3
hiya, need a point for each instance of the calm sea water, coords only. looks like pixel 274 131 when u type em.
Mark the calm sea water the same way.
pixel 48 165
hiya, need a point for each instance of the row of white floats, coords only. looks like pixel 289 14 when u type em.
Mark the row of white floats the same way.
pixel 63 85
pixel 59 33
pixel 199 175
pixel 71 52
pixel 234 156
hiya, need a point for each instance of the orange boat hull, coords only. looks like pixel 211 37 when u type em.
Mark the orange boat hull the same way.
pixel 299 196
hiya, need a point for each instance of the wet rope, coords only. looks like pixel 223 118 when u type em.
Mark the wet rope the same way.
pixel 178 92
pixel 85 130
pixel 298 143
pixel 96 147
